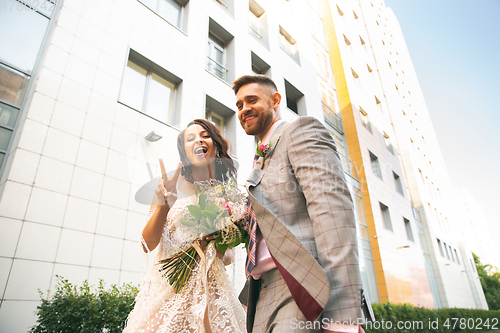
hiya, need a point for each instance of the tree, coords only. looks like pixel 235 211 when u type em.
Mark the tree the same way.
pixel 490 281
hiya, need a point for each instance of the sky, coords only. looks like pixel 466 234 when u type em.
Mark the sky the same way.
pixel 455 49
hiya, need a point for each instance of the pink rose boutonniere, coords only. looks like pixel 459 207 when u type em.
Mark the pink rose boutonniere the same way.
pixel 262 149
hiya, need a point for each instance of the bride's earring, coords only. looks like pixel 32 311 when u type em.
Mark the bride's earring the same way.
pixel 218 159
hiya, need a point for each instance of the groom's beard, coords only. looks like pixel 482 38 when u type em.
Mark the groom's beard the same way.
pixel 260 125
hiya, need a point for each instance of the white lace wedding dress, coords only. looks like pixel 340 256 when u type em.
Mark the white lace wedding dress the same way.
pixel 159 309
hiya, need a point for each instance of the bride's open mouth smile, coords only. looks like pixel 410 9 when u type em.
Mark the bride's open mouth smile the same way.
pixel 200 152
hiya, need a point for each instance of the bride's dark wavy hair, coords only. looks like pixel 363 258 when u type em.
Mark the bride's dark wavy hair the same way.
pixel 225 170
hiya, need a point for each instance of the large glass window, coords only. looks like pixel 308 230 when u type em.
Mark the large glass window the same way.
pixel 12 85
pixel 147 92
pixel 21 33
pixel 170 10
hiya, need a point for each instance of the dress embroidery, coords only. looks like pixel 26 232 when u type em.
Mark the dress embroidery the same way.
pixel 159 309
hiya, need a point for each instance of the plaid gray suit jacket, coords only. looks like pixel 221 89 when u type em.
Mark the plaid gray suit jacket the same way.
pixel 305 213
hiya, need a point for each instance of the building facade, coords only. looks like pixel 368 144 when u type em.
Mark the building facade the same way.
pixel 418 257
pixel 86 87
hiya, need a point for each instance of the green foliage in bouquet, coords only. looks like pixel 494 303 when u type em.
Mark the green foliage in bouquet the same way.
pixel 82 309
pixel 220 214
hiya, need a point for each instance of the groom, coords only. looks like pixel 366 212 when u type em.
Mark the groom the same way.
pixel 302 265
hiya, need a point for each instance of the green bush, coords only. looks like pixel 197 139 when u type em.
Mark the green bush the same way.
pixel 414 319
pixel 80 309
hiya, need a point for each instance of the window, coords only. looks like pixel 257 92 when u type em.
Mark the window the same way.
pixel 386 217
pixel 323 68
pixel 216 119
pixel 446 250
pixel 369 68
pixel 289 45
pixel 294 99
pixel 8 116
pixel 440 248
pixel 473 266
pixel 397 183
pixel 22 31
pixel 456 255
pixel 218 55
pixel 409 232
pixel 360 213
pixel 365 120
pixel 257 20
pixel 355 15
pixel 388 143
pixel 227 5
pixel 329 109
pixel 12 85
pixel 346 40
pixel 341 13
pixel 223 118
pixel 341 150
pixel 148 88
pixel 354 74
pixel 361 40
pixel 451 254
pixel 379 105
pixel 375 165
pixel 170 10
pixel 259 66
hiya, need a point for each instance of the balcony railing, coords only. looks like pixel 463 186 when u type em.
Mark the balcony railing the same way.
pixel 349 167
pixel 220 2
pixel 332 118
pixel 215 68
pixel 255 31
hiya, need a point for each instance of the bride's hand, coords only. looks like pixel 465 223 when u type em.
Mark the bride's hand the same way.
pixel 166 190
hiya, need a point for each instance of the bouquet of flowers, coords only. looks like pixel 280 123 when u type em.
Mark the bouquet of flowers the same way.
pixel 220 214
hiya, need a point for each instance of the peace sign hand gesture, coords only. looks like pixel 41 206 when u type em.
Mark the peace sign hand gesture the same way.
pixel 166 191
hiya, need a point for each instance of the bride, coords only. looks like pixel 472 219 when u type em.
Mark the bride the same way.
pixel 208 302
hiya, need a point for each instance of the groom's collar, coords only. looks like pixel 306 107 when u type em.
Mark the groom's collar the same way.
pixel 273 131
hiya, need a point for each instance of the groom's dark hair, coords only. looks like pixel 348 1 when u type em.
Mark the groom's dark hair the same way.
pixel 257 78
